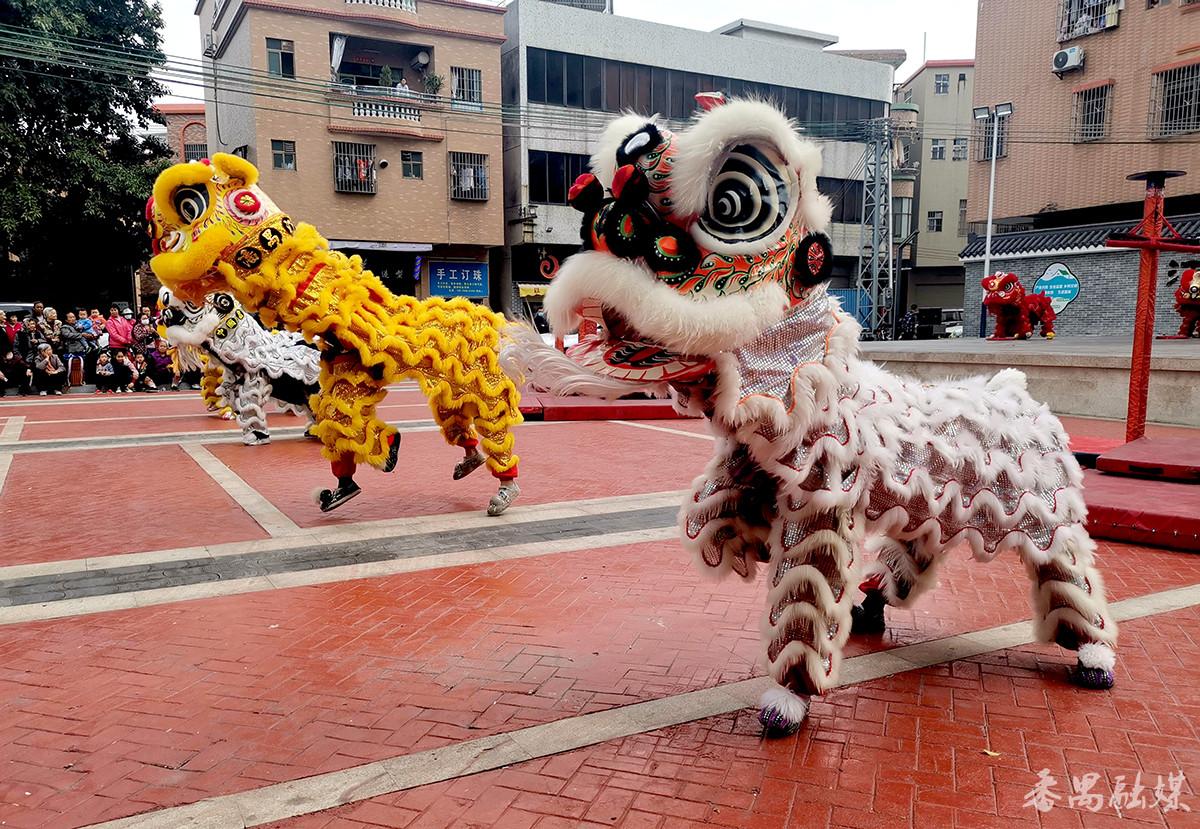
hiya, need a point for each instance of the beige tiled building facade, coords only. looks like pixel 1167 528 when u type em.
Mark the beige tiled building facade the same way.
pixel 942 92
pixel 1133 105
pixel 338 103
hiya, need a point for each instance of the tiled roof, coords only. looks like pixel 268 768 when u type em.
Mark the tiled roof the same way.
pixel 1066 239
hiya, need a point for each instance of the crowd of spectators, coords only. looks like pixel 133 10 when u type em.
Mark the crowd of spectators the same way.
pixel 120 353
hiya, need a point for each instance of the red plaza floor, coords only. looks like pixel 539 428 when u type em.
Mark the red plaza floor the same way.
pixel 110 710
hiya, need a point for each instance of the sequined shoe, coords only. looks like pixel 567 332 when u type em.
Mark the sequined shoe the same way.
pixel 503 498
pixel 867 618
pixel 256 438
pixel 468 465
pixel 781 712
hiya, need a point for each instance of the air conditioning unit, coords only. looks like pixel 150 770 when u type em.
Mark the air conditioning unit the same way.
pixel 1067 60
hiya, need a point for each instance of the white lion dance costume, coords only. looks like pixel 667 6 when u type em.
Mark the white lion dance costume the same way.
pixel 704 271
pixel 258 365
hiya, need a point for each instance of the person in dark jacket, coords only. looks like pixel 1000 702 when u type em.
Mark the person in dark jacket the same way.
pixel 27 341
pixel 17 375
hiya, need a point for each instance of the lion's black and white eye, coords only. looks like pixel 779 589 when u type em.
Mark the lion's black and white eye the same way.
pixel 750 199
pixel 191 202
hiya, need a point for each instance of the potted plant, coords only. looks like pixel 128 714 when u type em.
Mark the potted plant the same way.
pixel 434 84
pixel 385 77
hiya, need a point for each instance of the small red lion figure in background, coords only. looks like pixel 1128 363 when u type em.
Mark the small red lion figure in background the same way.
pixel 1016 312
pixel 1187 303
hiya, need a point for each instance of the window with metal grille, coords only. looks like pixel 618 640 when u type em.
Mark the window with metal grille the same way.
pixel 412 164
pixel 938 150
pixel 941 84
pixel 195 152
pixel 283 155
pixel 962 217
pixel 960 149
pixel 985 138
pixel 1077 18
pixel 1175 101
pixel 933 221
pixel 466 88
pixel 402 5
pixel 353 167
pixel 902 208
pixel 281 58
pixel 1091 113
pixel 469 176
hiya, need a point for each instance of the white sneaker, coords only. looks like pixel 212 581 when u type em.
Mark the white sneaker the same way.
pixel 41 394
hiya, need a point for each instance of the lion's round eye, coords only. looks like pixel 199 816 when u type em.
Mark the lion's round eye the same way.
pixel 750 196
pixel 191 202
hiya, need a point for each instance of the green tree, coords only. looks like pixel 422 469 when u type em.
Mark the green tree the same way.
pixel 76 86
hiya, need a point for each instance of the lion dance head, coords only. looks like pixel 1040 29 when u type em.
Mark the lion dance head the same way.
pixel 204 218
pixel 1001 289
pixel 695 242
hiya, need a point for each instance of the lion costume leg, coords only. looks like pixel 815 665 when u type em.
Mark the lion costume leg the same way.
pixel 1070 608
pixel 456 430
pixel 808 613
pixel 213 390
pixel 252 395
pixel 898 573
pixel 346 424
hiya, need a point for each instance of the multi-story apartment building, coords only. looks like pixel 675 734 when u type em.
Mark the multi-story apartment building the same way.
pixel 1101 89
pixel 568 71
pixel 941 92
pixel 185 132
pixel 376 120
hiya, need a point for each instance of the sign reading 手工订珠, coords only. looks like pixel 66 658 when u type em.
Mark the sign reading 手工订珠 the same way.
pixel 468 279
pixel 1059 285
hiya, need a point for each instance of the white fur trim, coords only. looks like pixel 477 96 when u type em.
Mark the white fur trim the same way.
pixel 700 148
pixel 1008 377
pixel 604 160
pixel 525 357
pixel 790 705
pixel 1097 655
pixel 693 326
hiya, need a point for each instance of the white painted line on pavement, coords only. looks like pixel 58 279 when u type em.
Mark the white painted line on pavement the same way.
pixel 5 463
pixel 283 801
pixel 20 614
pixel 683 432
pixel 11 432
pixel 357 531
pixel 268 516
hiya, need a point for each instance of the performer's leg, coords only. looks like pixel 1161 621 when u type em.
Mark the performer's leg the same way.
pixel 344 410
pixel 1070 607
pixel 496 441
pixel 216 393
pixel 252 395
pixel 456 429
pixel 897 573
pixel 808 613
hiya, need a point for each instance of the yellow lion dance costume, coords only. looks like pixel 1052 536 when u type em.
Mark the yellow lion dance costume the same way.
pixel 212 228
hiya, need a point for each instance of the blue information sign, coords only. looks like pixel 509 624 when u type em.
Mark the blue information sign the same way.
pixel 447 279
pixel 1059 284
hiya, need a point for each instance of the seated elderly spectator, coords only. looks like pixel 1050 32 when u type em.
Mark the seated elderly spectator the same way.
pixel 16 374
pixel 73 348
pixel 162 366
pixel 27 341
pixel 50 326
pixel 49 373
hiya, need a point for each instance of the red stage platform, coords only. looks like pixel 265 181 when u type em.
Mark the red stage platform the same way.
pixel 548 407
pixel 1143 511
pixel 1176 459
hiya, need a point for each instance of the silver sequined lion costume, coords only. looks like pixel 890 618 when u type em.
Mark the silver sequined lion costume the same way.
pixel 258 365
pixel 703 278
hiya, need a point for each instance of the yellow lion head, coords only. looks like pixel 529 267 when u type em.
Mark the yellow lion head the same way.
pixel 207 213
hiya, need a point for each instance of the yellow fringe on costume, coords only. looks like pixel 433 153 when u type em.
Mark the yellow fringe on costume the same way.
pixel 450 347
pixel 209 382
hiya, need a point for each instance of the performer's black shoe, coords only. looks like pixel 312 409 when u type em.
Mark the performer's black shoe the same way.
pixel 1096 679
pixel 331 499
pixel 867 618
pixel 393 453
pixel 308 434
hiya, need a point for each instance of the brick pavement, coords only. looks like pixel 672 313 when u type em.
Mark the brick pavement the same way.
pixel 123 712
pixel 958 746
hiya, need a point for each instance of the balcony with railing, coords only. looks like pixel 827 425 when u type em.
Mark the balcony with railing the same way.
pixel 409 6
pixel 1078 18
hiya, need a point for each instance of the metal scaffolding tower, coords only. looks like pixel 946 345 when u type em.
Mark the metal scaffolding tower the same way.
pixel 875 266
